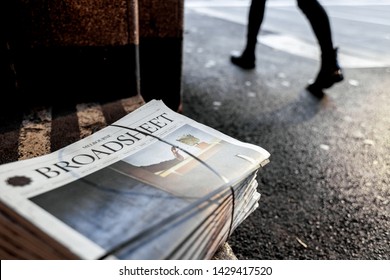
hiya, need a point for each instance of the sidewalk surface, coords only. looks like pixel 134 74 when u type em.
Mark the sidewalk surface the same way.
pixel 325 193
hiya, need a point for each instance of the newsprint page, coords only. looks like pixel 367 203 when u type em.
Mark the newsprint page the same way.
pixel 153 185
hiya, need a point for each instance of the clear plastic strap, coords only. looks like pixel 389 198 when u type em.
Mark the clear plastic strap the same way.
pixel 125 244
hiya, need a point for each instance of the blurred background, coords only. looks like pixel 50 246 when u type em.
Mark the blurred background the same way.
pixel 325 193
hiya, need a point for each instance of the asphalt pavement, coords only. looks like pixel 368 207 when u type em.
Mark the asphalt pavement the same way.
pixel 325 192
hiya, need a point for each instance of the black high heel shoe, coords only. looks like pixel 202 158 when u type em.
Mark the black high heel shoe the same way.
pixel 243 61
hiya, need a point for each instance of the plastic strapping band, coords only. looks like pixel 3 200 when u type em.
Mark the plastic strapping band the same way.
pixel 125 244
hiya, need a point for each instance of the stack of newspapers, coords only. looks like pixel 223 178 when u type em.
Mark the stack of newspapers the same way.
pixel 153 185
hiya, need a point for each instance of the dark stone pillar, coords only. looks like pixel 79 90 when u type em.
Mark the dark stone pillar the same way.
pixel 71 51
pixel 161 47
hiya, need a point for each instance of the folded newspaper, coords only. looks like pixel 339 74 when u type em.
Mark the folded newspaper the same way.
pixel 153 185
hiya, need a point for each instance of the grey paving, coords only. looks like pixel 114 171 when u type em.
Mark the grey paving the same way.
pixel 325 193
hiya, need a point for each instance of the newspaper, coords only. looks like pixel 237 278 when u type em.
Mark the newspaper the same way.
pixel 153 185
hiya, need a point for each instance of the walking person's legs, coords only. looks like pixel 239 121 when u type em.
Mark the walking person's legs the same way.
pixel 330 71
pixel 247 58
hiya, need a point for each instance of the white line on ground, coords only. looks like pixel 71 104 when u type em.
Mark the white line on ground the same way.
pixel 296 46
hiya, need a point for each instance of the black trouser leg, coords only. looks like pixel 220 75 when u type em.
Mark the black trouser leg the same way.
pixel 255 19
pixel 320 24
